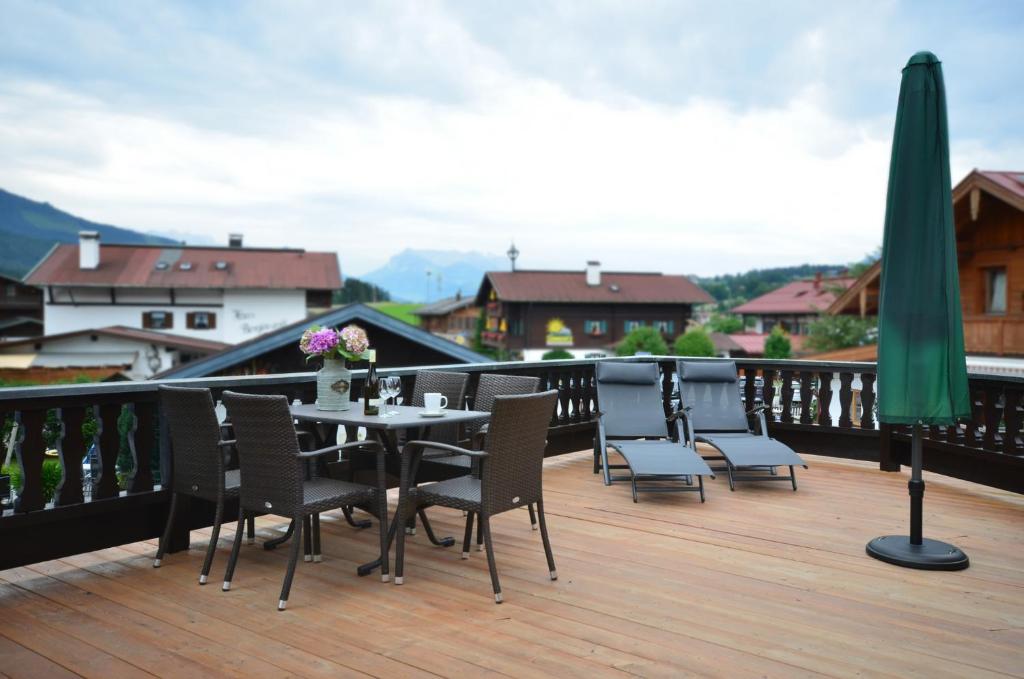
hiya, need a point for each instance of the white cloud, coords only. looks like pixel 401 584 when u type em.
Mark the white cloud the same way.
pixel 699 186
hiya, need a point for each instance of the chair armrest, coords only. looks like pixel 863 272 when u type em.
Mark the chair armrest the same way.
pixel 229 442
pixel 761 408
pixel 679 414
pixel 356 447
pixel 417 447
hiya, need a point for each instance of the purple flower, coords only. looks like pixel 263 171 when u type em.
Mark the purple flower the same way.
pixel 321 342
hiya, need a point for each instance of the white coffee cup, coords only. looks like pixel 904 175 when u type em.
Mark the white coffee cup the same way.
pixel 435 403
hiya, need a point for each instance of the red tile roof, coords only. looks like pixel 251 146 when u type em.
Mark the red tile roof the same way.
pixel 615 288
pixel 798 297
pixel 1011 181
pixel 135 266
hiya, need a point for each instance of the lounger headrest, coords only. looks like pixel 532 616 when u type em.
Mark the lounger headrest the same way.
pixel 627 373
pixel 707 371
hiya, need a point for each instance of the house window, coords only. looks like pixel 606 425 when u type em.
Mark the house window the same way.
pixel 630 326
pixel 995 291
pixel 201 320
pixel 12 290
pixel 157 320
pixel 595 328
pixel 515 327
pixel 665 327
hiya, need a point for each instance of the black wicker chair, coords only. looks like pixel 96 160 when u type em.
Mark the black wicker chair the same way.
pixel 273 476
pixel 511 468
pixel 198 457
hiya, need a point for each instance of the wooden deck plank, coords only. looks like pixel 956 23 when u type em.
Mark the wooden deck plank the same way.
pixel 18 662
pixel 758 582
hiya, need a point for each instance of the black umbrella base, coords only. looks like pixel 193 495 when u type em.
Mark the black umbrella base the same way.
pixel 931 555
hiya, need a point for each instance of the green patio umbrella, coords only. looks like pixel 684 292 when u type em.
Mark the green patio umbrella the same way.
pixel 922 375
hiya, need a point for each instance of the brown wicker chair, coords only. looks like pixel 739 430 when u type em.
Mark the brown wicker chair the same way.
pixel 273 477
pixel 511 467
pixel 198 462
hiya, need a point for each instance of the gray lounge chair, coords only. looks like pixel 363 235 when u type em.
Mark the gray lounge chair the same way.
pixel 713 413
pixel 631 420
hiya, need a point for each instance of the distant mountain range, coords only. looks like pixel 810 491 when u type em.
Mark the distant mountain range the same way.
pixel 405 274
pixel 28 229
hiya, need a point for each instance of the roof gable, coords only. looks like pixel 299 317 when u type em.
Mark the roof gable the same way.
pixel 797 297
pixel 291 334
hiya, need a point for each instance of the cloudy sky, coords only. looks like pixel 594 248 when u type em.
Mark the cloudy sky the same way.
pixel 693 137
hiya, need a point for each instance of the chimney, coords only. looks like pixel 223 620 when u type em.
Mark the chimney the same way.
pixel 88 249
pixel 235 240
pixel 593 273
pixel 817 281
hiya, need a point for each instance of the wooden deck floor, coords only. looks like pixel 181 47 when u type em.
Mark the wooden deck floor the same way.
pixel 760 582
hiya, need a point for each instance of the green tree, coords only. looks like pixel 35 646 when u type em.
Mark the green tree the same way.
pixel 356 290
pixel 777 345
pixel 556 355
pixel 829 333
pixel 694 342
pixel 642 339
pixel 726 323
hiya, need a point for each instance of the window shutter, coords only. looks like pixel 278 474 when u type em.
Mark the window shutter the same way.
pixel 147 320
pixel 213 320
pixel 190 320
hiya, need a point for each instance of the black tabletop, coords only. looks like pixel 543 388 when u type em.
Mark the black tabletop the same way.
pixel 408 417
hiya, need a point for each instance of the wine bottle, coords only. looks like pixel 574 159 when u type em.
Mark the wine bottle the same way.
pixel 371 389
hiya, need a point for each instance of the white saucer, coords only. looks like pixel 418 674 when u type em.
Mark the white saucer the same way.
pixel 436 413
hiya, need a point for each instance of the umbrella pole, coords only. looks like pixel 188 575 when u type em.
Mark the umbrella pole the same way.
pixel 916 551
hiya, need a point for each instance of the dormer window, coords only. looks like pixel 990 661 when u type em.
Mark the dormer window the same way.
pixel 614 287
pixel 185 266
pixel 220 265
pixel 163 266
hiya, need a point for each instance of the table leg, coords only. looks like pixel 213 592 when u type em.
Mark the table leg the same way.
pixel 389 441
pixel 277 542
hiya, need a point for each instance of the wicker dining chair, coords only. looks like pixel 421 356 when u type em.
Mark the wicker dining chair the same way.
pixel 511 469
pixel 274 479
pixel 198 462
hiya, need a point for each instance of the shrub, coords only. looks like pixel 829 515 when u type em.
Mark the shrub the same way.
pixel 556 355
pixel 642 339
pixel 51 477
pixel 726 323
pixel 694 342
pixel 829 333
pixel 777 345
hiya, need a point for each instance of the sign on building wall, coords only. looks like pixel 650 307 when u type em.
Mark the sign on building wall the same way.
pixel 558 334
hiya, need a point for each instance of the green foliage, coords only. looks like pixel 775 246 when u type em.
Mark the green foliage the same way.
pixel 556 355
pixel 51 475
pixel 725 323
pixel 399 310
pixel 355 290
pixel 829 333
pixel 857 268
pixel 694 342
pixel 777 345
pixel 642 339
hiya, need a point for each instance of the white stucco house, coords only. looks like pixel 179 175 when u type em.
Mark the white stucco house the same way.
pixel 217 294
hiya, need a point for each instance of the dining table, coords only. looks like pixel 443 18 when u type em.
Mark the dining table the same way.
pixel 385 428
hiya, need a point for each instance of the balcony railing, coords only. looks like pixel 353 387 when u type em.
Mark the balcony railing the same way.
pixel 818 408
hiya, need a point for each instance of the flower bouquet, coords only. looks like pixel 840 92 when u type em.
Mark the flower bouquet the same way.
pixel 334 380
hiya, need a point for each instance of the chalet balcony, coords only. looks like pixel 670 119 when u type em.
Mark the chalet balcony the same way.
pixel 761 581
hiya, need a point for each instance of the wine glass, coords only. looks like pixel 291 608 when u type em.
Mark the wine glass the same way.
pixel 385 392
pixel 394 388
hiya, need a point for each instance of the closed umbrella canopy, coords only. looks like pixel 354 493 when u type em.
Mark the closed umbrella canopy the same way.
pixel 922 375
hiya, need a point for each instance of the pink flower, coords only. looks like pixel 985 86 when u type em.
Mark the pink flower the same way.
pixel 356 341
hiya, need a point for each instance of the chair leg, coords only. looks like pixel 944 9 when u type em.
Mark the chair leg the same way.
pixel 533 517
pixel 429 530
pixel 479 535
pixel 547 542
pixel 700 483
pixel 162 545
pixel 307 538
pixel 792 476
pixel 250 528
pixel 632 480
pixel 468 535
pixel 317 554
pixel 347 511
pixel 211 549
pixel 732 483
pixel 399 521
pixel 485 522
pixel 236 546
pixel 293 557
